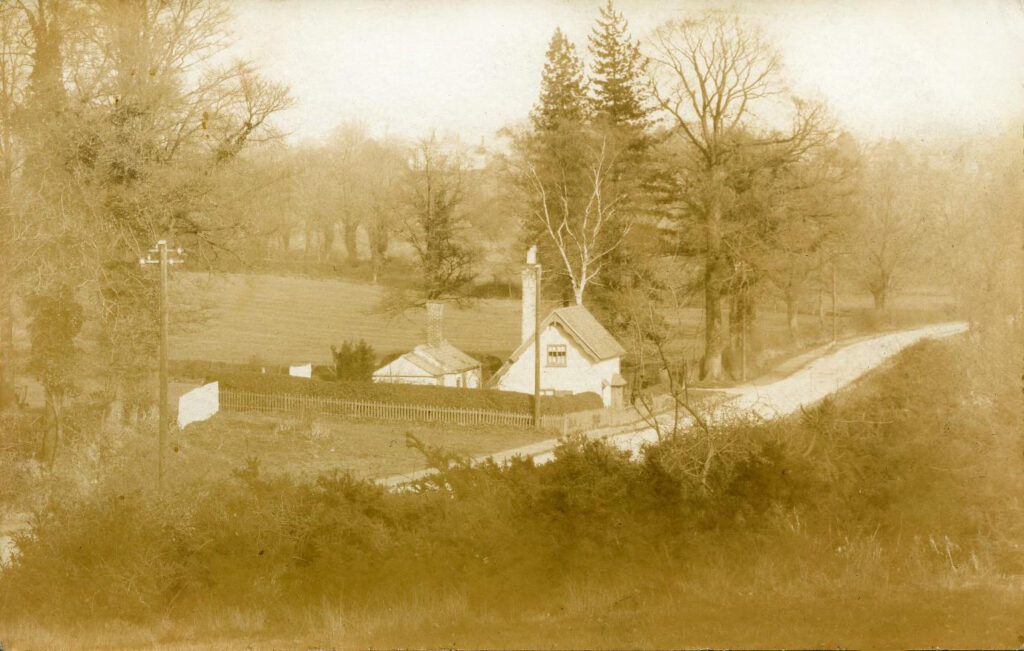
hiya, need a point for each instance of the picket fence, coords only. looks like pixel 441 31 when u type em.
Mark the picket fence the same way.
pixel 606 418
pixel 579 421
pixel 297 404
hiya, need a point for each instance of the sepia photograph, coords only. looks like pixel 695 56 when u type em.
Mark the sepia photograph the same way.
pixel 511 324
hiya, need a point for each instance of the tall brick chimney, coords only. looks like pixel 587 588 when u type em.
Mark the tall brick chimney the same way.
pixel 530 274
pixel 435 315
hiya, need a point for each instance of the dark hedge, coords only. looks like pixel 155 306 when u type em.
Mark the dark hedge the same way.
pixel 407 394
pixel 202 368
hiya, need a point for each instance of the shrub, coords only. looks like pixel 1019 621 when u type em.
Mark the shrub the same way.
pixel 408 394
pixel 354 361
pixel 489 364
pixel 325 373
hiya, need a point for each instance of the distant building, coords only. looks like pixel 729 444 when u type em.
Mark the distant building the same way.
pixel 577 354
pixel 436 362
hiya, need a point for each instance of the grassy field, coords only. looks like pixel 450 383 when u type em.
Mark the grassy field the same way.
pixel 212 449
pixel 282 320
pixel 291 320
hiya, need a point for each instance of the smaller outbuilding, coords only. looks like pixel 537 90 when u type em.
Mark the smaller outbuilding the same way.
pixel 436 362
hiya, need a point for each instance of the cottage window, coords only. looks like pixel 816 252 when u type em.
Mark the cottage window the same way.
pixel 556 355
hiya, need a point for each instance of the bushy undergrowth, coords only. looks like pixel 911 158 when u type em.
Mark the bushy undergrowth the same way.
pixel 408 394
pixel 911 479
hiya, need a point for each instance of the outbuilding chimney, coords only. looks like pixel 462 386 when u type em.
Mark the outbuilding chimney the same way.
pixel 531 277
pixel 435 316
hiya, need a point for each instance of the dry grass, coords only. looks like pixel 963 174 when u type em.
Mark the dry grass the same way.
pixel 214 448
pixel 595 616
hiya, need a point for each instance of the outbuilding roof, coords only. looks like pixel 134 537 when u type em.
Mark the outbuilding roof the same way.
pixel 436 360
pixel 446 356
pixel 423 362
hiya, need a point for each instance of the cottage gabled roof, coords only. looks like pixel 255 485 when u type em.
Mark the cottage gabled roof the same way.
pixel 582 327
pixel 587 331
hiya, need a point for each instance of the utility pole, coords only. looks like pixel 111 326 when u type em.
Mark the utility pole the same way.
pixel 1020 310
pixel 536 347
pixel 745 320
pixel 835 307
pixel 164 261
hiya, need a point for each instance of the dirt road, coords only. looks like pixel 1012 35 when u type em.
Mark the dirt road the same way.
pixel 806 386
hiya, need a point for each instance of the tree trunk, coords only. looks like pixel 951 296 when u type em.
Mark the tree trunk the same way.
pixel 880 290
pixel 309 241
pixel 326 242
pixel 6 352
pixel 53 433
pixel 741 330
pixel 351 233
pixel 711 364
pixel 377 259
pixel 821 305
pixel 880 296
pixel 793 317
pixel 378 236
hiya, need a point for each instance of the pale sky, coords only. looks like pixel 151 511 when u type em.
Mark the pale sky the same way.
pixel 405 67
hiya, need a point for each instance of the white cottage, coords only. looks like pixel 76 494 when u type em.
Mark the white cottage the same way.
pixel 577 353
pixel 436 362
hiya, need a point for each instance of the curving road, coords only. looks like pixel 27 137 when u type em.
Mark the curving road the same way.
pixel 822 376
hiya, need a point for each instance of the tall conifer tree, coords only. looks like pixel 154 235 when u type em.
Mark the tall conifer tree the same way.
pixel 563 91
pixel 616 81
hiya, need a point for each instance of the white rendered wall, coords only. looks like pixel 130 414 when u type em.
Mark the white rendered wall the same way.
pixel 466 379
pixel 579 375
pixel 403 371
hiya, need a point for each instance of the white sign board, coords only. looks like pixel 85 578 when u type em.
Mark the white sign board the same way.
pixel 198 404
pixel 306 370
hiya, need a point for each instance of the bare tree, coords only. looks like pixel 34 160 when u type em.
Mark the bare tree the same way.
pixel 584 232
pixel 893 205
pixel 383 168
pixel 350 186
pixel 708 77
